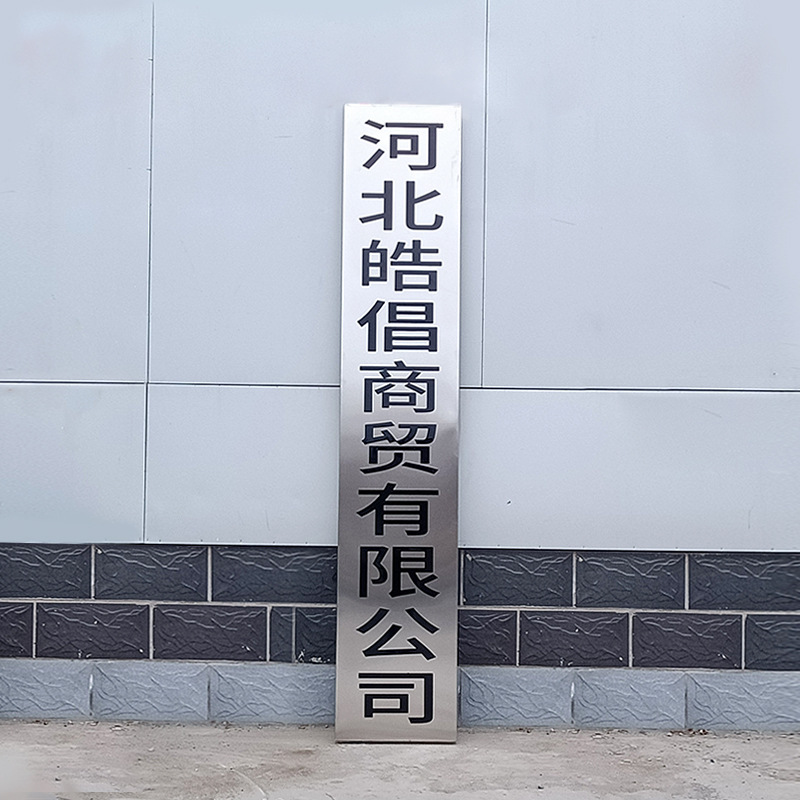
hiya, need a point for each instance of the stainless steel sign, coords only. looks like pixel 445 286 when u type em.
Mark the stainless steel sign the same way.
pixel 398 480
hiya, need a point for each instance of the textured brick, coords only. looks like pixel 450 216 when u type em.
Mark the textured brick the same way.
pixel 315 635
pixel 274 574
pixel 272 693
pixel 517 578
pixel 744 701
pixel 91 630
pixel 210 633
pixel 149 690
pixel 45 570
pixel 32 689
pixel 745 581
pixel 151 572
pixel 573 639
pixel 630 580
pixel 16 630
pixel 629 698
pixel 487 637
pixel 772 642
pixel 516 696
pixel 281 634
pixel 687 640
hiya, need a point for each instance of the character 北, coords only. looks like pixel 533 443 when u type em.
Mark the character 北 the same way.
pixel 398 479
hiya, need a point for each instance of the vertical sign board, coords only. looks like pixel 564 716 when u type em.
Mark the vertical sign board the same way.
pixel 398 481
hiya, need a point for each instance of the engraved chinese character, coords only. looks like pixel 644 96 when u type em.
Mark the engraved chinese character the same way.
pixel 400 385
pixel 405 144
pixel 398 693
pixel 409 570
pixel 412 200
pixel 381 646
pixel 414 331
pixel 399 507
pixel 375 262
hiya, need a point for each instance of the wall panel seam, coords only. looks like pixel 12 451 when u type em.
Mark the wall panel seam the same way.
pixel 485 173
pixel 145 442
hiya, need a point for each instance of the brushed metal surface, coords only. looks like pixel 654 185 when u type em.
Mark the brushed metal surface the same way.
pixel 398 481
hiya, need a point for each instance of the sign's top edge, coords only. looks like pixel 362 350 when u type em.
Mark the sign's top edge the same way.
pixel 402 105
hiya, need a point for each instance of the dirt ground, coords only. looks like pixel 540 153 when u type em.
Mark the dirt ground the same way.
pixel 130 761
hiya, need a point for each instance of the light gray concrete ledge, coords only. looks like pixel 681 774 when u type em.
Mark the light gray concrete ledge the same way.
pixel 38 689
pixel 283 693
pixel 622 698
pixel 149 690
pixel 522 697
pixel 727 701
pixel 182 691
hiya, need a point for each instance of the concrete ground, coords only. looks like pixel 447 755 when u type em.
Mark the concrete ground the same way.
pixel 126 761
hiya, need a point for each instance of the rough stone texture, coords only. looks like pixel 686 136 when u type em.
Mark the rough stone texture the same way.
pixel 16 630
pixel 630 580
pixel 31 689
pixel 573 639
pixel 151 572
pixel 315 635
pixel 745 581
pixel 272 693
pixel 690 641
pixel 772 642
pixel 519 697
pixel 744 701
pixel 45 570
pixel 490 696
pixel 281 634
pixel 274 574
pixel 149 690
pixel 629 699
pixel 517 577
pixel 487 637
pixel 92 630
pixel 210 633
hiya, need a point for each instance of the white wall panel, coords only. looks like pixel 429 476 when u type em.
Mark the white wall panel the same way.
pixel 75 91
pixel 242 464
pixel 643 194
pixel 645 470
pixel 247 172
pixel 604 470
pixel 642 204
pixel 71 466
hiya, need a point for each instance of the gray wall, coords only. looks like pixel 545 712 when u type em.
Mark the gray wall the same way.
pixel 630 343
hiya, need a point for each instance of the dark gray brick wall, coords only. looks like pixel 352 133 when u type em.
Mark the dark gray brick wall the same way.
pixel 772 642
pixel 713 641
pixel 630 580
pixel 156 572
pixel 756 581
pixel 92 630
pixel 517 577
pixel 573 639
pixel 546 608
pixel 281 634
pixel 210 633
pixel 16 630
pixel 487 636
pixel 274 574
pixel 45 570
pixel 315 635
